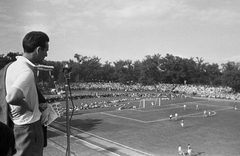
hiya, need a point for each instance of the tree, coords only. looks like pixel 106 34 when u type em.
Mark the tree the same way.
pixel 123 71
pixel 230 66
pixel 231 75
pixel 232 79
pixel 213 74
pixel 173 69
pixel 136 75
pixel 106 72
pixel 89 67
pixel 10 57
pixel 150 73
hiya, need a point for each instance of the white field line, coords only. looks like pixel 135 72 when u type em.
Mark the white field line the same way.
pixel 188 115
pixel 157 110
pixel 136 109
pixel 117 116
pixel 140 109
pixel 185 102
pixel 209 104
pixel 90 145
pixel 177 104
pixel 116 143
pixel 197 102
pixel 132 109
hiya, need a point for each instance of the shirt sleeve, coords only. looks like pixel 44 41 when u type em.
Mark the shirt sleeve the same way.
pixel 23 81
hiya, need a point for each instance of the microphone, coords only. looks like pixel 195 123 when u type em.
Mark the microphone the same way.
pixel 66 68
pixel 66 71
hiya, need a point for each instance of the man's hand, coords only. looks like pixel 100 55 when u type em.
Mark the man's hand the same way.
pixel 43 106
pixel 45 115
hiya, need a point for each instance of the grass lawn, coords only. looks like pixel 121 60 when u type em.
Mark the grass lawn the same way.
pixel 150 130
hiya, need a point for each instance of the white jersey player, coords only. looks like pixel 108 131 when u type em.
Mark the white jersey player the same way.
pixel 180 151
pixel 189 150
pixel 182 123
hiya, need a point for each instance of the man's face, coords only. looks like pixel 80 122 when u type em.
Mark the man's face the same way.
pixel 42 53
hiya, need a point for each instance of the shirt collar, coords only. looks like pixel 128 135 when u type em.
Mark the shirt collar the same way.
pixel 21 58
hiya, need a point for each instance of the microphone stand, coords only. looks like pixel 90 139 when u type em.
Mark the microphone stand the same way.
pixel 66 71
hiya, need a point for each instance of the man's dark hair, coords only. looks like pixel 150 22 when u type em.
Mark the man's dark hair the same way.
pixel 34 39
pixel 7 140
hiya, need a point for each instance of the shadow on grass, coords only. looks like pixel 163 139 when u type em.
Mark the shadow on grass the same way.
pixel 111 149
pixel 194 154
pixel 198 154
pixel 106 151
pixel 187 126
pixel 85 125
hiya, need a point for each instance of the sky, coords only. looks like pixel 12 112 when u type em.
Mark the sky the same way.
pixel 115 30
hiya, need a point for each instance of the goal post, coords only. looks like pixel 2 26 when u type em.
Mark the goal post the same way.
pixel 142 103
pixel 146 103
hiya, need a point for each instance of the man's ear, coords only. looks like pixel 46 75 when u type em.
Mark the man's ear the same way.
pixel 38 49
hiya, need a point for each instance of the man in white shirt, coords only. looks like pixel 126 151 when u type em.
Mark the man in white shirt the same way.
pixel 180 150
pixel 182 123
pixel 22 95
pixel 189 150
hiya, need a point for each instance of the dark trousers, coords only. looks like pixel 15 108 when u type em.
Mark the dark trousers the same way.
pixel 29 139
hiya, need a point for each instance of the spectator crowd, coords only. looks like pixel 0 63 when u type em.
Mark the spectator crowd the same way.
pixel 189 90
pixel 126 93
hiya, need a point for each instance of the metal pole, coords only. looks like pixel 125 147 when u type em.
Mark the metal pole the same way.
pixel 67 122
pixel 67 77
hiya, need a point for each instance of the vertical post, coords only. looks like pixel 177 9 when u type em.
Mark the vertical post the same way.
pixel 67 121
pixel 67 77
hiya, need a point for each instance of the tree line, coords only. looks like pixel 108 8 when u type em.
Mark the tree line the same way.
pixel 148 71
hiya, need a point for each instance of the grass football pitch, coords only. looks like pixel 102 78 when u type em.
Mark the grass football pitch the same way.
pixel 150 131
